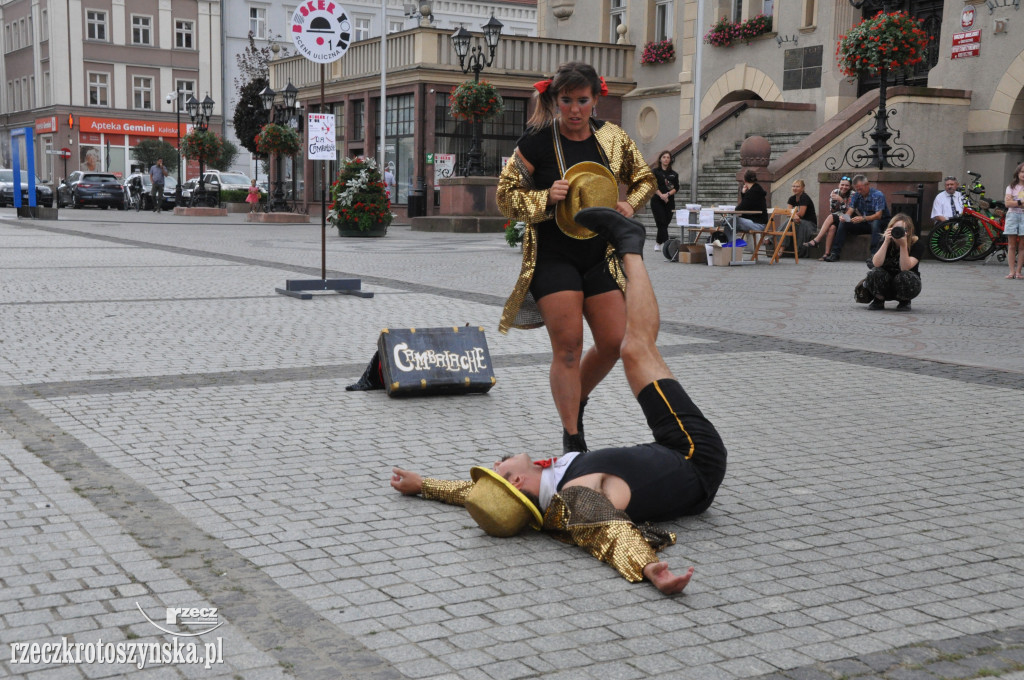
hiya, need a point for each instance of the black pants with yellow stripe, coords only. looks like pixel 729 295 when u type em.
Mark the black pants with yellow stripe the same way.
pixel 677 475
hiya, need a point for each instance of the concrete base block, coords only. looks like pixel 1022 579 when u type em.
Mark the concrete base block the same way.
pixel 37 213
pixel 201 212
pixel 278 218
pixel 460 224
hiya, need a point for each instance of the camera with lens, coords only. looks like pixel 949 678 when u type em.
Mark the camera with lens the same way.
pixel 898 232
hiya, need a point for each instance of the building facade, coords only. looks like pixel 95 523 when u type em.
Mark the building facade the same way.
pixel 969 90
pixel 267 22
pixel 98 76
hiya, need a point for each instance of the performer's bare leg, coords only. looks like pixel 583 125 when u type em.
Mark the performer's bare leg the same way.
pixel 640 356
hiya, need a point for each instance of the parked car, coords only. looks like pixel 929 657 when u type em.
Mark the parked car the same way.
pixel 83 188
pixel 44 194
pixel 143 183
pixel 227 180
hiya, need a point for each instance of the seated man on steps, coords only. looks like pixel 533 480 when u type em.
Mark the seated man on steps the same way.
pixel 868 214
pixel 599 500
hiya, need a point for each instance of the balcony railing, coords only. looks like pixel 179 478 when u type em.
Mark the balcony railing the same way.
pixel 431 48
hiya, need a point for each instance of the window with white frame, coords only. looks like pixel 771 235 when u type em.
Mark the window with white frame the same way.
pixel 23 31
pixel 95 25
pixel 186 88
pixel 258 22
pixel 142 30
pixel 32 92
pixel 31 37
pixel 8 45
pixel 142 92
pixel 47 100
pixel 16 44
pixel 617 17
pixel 362 28
pixel 395 26
pixel 183 30
pixel 44 25
pixel 98 88
pixel 663 19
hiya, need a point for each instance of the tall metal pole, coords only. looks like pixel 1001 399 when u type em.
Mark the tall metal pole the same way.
pixel 323 191
pixel 695 139
pixel 382 152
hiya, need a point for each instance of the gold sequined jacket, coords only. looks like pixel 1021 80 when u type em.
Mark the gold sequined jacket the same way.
pixel 586 518
pixel 521 201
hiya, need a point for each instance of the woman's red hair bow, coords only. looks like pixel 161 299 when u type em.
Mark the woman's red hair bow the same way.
pixel 542 85
pixel 604 87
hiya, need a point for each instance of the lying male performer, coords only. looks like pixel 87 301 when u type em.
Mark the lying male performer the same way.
pixel 593 499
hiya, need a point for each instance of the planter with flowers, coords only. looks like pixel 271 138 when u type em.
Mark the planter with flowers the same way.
pixel 724 33
pixel 475 101
pixel 514 233
pixel 359 200
pixel 658 52
pixel 891 41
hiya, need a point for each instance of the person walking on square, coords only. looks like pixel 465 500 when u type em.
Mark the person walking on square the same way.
pixel 253 197
pixel 601 500
pixel 568 276
pixel 1014 227
pixel 867 213
pixel 895 274
pixel 663 205
pixel 157 173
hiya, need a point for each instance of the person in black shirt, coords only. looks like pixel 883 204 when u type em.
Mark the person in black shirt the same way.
pixel 895 275
pixel 752 197
pixel 663 204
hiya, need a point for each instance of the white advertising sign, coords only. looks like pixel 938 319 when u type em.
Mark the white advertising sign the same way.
pixel 322 145
pixel 444 166
pixel 321 30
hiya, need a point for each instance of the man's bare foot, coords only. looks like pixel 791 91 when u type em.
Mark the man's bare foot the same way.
pixel 664 580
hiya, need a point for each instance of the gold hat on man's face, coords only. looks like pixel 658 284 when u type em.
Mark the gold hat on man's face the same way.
pixel 591 185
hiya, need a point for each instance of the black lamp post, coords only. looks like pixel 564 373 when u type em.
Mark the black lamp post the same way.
pixel 279 114
pixel 880 136
pixel 474 59
pixel 176 96
pixel 199 113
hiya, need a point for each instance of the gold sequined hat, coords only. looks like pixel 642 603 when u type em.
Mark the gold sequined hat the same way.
pixel 498 507
pixel 591 185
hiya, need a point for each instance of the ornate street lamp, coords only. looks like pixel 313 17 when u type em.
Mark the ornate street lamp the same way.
pixel 279 114
pixel 176 97
pixel 199 113
pixel 474 59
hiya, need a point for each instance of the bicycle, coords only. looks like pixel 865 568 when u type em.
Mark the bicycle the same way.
pixel 972 235
pixel 204 198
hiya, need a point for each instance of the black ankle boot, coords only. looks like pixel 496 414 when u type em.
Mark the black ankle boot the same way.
pixel 573 442
pixel 579 416
pixel 625 235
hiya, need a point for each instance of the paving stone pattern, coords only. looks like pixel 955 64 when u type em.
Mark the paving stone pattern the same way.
pixel 173 433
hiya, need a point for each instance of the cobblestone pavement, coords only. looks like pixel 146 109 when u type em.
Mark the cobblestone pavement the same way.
pixel 175 434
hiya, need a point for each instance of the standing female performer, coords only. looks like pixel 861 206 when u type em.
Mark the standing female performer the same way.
pixel 663 205
pixel 564 278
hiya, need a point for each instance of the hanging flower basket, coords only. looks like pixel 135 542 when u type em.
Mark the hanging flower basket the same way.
pixel 278 139
pixel 201 145
pixel 723 33
pixel 475 101
pixel 659 52
pixel 359 200
pixel 893 41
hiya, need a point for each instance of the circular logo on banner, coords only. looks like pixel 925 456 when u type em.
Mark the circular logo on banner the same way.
pixel 967 17
pixel 321 30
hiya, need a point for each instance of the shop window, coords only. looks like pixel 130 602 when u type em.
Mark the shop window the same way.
pixel 358 119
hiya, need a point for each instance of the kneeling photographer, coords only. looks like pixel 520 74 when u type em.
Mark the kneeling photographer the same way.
pixel 895 274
